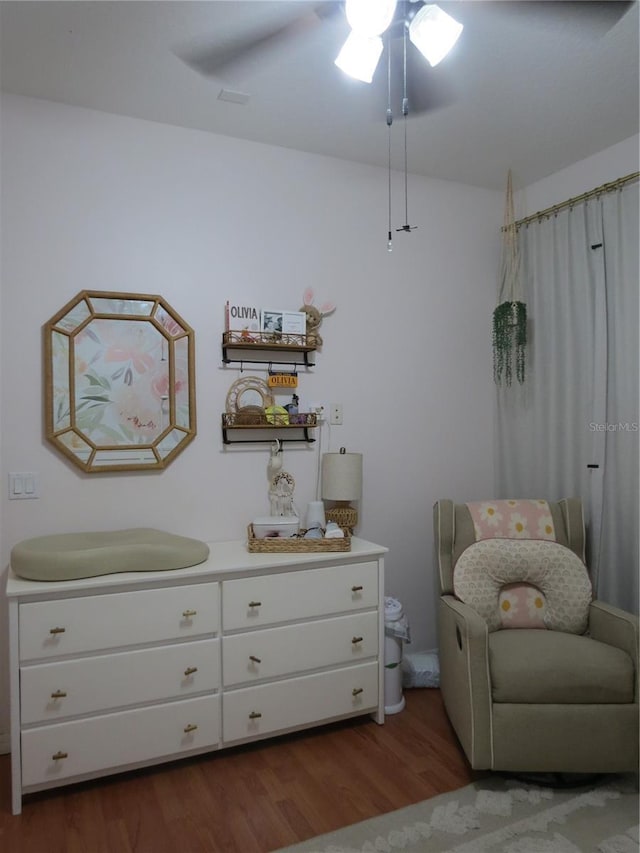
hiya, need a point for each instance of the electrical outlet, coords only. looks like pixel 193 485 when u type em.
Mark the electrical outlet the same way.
pixel 336 414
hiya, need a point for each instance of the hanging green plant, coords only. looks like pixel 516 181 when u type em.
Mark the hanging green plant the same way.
pixel 510 317
pixel 509 342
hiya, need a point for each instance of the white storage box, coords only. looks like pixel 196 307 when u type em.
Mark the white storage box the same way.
pixel 275 526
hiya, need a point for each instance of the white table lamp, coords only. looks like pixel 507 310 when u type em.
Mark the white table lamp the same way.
pixel 342 483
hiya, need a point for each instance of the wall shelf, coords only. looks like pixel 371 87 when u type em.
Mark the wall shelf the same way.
pixel 267 348
pixel 234 431
pixel 242 346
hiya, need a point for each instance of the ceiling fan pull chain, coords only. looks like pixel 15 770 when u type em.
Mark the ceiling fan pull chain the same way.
pixel 405 99
pixel 407 227
pixel 389 123
pixel 405 113
pixel 389 233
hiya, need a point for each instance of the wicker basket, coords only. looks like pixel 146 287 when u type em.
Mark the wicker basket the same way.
pixel 256 418
pixel 275 545
pixel 271 340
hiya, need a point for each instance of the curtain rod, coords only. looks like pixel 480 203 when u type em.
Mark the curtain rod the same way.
pixel 570 202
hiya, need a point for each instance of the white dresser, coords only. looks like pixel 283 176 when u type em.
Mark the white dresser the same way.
pixel 127 670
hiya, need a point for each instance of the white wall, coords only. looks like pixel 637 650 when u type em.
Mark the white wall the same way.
pixel 97 201
pixel 601 168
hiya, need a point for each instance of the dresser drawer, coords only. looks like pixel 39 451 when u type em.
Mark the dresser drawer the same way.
pixel 273 652
pixel 267 708
pixel 56 752
pixel 52 691
pixel 73 625
pixel 269 599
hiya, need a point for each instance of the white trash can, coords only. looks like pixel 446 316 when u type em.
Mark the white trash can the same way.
pixel 394 701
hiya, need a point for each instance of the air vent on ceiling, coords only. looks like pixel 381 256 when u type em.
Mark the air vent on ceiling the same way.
pixel 233 97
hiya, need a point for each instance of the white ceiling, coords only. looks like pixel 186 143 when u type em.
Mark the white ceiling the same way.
pixel 531 86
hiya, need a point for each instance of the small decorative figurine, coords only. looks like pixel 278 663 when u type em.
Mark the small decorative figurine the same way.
pixel 292 408
pixel 281 494
pixel 314 317
pixel 275 459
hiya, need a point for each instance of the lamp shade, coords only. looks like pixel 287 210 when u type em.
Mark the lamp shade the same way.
pixel 370 17
pixel 434 33
pixel 359 56
pixel 342 476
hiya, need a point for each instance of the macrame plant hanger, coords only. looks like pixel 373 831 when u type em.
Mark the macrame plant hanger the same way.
pixel 510 315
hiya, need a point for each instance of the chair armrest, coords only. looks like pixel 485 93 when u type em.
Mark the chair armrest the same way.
pixel 475 627
pixel 616 627
pixel 464 678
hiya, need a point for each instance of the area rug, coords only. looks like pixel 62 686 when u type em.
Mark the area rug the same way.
pixel 500 815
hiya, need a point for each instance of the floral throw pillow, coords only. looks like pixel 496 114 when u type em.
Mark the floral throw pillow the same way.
pixel 521 605
pixel 521 519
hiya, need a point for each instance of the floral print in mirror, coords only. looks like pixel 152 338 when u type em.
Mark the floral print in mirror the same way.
pixel 120 381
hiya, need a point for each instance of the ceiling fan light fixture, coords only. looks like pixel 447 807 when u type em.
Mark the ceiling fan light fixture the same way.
pixel 434 33
pixel 359 56
pixel 370 17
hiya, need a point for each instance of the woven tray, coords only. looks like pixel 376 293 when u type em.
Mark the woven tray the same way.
pixel 275 545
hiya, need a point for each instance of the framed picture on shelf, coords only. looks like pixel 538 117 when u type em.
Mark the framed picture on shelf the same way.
pixel 283 322
pixel 241 317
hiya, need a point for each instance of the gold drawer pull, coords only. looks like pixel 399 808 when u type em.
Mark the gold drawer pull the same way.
pixel 190 670
pixel 255 604
pixel 255 659
pixel 357 691
pixel 357 640
pixel 60 755
pixel 254 715
pixel 357 588
pixel 189 613
pixel 57 630
pixel 59 694
pixel 190 728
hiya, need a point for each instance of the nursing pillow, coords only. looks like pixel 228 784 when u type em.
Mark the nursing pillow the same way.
pixel 561 589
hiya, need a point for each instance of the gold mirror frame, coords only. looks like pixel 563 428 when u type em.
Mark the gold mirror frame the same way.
pixel 119 382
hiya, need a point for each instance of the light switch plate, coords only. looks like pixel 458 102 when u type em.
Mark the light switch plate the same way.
pixel 23 486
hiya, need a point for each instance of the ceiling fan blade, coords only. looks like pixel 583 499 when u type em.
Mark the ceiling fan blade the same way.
pixel 428 89
pixel 244 54
pixel 590 19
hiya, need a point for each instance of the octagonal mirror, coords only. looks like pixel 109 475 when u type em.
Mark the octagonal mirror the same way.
pixel 119 382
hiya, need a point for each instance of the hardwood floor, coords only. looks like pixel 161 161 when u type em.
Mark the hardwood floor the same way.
pixel 250 799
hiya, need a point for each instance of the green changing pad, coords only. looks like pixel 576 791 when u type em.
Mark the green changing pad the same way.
pixel 69 556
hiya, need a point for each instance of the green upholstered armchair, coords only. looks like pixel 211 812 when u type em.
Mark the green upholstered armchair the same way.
pixel 558 698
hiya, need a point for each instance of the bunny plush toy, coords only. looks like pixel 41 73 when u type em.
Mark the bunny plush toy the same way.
pixel 314 317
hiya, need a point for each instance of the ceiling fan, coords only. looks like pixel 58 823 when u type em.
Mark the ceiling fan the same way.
pixel 271 27
pixel 243 53
pixel 417 35
pixel 428 27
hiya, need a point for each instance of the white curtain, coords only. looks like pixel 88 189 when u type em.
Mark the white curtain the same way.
pixel 618 552
pixel 571 429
